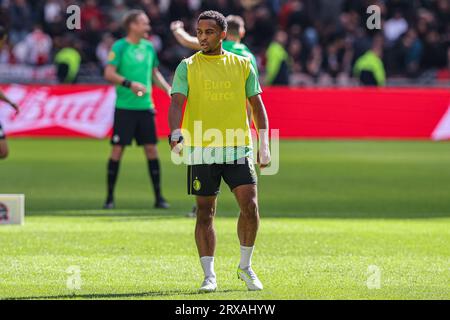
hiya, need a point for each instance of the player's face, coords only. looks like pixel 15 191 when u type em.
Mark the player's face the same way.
pixel 209 35
pixel 141 26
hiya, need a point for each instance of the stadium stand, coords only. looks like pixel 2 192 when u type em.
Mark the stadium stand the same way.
pixel 323 38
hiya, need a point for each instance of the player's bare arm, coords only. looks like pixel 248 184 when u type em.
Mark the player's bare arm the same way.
pixel 184 38
pixel 12 104
pixel 175 116
pixel 112 76
pixel 262 125
pixel 160 82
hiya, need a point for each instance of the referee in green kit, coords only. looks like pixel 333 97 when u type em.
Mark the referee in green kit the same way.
pixel 132 67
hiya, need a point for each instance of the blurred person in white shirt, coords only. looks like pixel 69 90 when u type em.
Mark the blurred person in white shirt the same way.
pixel 35 49
pixel 395 27
pixel 104 48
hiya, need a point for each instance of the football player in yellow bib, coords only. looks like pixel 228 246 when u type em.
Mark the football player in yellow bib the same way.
pixel 215 85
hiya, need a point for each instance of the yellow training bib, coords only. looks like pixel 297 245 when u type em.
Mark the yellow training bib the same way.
pixel 216 104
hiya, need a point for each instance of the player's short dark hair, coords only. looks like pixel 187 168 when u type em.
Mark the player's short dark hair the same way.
pixel 235 24
pixel 131 17
pixel 216 16
pixel 2 33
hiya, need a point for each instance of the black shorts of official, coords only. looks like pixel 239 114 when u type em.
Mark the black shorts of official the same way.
pixel 204 179
pixel 2 133
pixel 134 124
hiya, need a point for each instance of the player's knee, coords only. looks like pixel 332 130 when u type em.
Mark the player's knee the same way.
pixel 205 214
pixel 250 210
pixel 117 153
pixel 116 156
pixel 151 152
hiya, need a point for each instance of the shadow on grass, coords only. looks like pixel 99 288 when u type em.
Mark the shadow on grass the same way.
pixel 155 214
pixel 120 295
pixel 116 213
pixel 138 209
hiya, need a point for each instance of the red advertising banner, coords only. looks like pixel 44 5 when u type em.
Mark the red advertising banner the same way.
pixel 87 111
pixel 78 111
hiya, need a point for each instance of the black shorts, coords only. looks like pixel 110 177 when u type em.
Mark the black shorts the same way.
pixel 134 124
pixel 204 179
pixel 2 133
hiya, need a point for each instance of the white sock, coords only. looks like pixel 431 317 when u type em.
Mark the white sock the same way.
pixel 208 267
pixel 246 257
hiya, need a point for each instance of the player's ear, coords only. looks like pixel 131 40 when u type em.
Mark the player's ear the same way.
pixel 223 35
pixel 242 33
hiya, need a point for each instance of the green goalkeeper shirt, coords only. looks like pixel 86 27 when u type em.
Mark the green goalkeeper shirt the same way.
pixel 135 62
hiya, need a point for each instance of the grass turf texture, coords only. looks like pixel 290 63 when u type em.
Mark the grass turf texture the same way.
pixel 334 209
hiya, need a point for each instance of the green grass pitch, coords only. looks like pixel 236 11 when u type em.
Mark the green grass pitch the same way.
pixel 334 209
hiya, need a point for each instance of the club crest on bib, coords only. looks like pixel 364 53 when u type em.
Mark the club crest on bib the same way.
pixel 139 56
pixel 196 184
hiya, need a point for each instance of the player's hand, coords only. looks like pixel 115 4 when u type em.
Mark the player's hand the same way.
pixel 138 88
pixel 173 145
pixel 176 142
pixel 264 157
pixel 176 147
pixel 175 25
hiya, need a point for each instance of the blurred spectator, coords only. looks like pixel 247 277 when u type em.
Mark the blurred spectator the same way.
pixel 178 10
pixel 20 20
pixel 104 48
pixel 435 51
pixel 67 62
pixel 295 51
pixel 93 24
pixel 6 55
pixel 35 49
pixel 292 12
pixel 406 56
pixel 118 11
pixel 369 68
pixel 395 27
pixel 54 14
pixel 91 16
pixel 314 62
pixel 260 28
pixel 443 16
pixel 224 6
pixel 277 60
pixel 114 17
